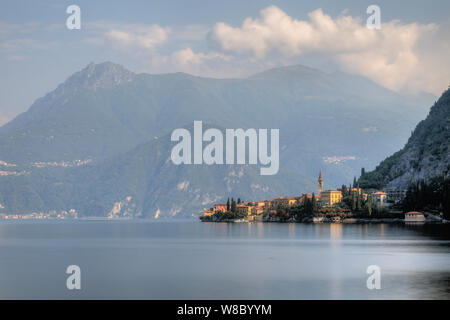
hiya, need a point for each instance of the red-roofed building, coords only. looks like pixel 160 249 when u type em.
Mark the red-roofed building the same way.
pixel 414 216
pixel 220 207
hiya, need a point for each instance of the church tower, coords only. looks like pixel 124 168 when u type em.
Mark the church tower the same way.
pixel 320 183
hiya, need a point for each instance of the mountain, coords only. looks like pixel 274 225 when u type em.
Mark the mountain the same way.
pixel 103 120
pixel 85 117
pixel 144 182
pixel 425 156
pixel 105 109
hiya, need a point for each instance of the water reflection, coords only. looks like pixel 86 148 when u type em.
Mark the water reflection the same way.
pixel 292 228
pixel 190 260
pixel 336 231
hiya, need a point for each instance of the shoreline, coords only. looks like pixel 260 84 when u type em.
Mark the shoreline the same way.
pixel 329 221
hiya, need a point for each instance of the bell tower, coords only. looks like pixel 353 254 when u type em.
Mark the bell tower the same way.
pixel 320 183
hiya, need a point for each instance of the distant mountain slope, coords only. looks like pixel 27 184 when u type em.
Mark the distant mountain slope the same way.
pixel 105 110
pixel 144 182
pixel 101 117
pixel 426 155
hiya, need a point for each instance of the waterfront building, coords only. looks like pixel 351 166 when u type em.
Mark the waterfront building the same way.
pixel 379 198
pixel 259 204
pixel 284 201
pixel 220 207
pixel 320 184
pixel 395 196
pixel 244 209
pixel 309 196
pixel 414 216
pixel 208 213
pixel 327 197
pixel 330 197
pixel 255 210
pixel 357 190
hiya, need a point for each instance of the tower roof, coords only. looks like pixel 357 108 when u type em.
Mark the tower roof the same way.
pixel 320 175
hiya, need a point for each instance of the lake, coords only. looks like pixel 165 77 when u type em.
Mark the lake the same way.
pixel 143 259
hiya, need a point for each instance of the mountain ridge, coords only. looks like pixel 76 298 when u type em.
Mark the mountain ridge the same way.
pixel 426 154
pixel 104 111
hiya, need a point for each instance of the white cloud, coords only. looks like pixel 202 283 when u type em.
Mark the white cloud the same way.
pixel 394 56
pixel 211 64
pixel 402 57
pixel 187 57
pixel 145 38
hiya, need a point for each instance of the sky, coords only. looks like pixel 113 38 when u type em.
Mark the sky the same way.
pixel 221 39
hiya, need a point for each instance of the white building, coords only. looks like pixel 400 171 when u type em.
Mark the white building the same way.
pixel 414 216
pixel 379 199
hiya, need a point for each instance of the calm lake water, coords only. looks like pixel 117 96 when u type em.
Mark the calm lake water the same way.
pixel 194 260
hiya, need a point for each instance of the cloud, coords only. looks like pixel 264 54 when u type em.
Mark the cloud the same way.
pixel 394 56
pixel 211 64
pixel 187 57
pixel 141 38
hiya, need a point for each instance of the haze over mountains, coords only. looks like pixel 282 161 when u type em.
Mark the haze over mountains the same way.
pixel 101 140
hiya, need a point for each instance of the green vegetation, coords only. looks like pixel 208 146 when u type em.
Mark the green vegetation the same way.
pixel 427 150
pixel 433 196
pixel 368 205
pixel 378 178
pixel 233 206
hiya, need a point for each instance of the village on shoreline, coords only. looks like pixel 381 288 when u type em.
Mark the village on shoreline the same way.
pixel 348 204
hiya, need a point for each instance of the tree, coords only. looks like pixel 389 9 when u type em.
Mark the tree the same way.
pixel 358 200
pixel 369 205
pixel 239 200
pixel 313 204
pixel 307 206
pixel 431 195
pixel 283 212
pixel 354 182
pixel 344 190
pixel 378 207
pixel 233 206
pixel 363 171
pixel 446 199
pixel 228 204
pixel 353 201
